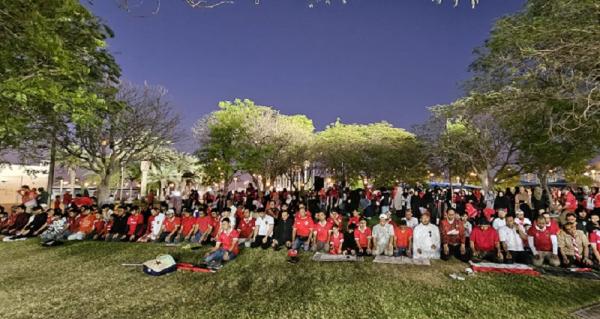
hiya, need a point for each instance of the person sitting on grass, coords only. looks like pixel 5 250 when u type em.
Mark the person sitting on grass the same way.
pixel 500 220
pixel 187 230
pixel 383 237
pixel 403 236
pixel 85 224
pixel 135 224
pixel 263 230
pixel 20 218
pixel 118 230
pixel 302 231
pixel 99 226
pixel 452 231
pixel 245 228
pixel 321 232
pixel 543 243
pixel 363 236
pixel 485 243
pixel 170 227
pixel 512 237
pixel 226 248
pixel 56 229
pixel 336 240
pixel 36 221
pixel 335 219
pixel 282 234
pixel 153 226
pixel 594 239
pixel 349 246
pixel 216 226
pixel 426 239
pixel 573 247
pixel 203 228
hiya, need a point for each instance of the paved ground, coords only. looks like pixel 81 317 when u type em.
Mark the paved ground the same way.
pixel 592 312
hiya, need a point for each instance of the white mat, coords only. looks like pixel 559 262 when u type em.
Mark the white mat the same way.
pixel 401 261
pixel 329 257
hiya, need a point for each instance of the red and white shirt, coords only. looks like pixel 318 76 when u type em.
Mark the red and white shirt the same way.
pixel 227 238
pixel 335 243
pixel 362 237
pixel 322 230
pixel 303 226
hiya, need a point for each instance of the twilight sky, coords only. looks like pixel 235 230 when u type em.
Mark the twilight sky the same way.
pixel 366 61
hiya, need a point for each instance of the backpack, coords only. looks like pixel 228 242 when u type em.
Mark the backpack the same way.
pixel 163 264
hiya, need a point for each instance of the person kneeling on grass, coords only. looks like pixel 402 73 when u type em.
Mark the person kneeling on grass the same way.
pixel 282 234
pixel 321 232
pixel 187 231
pixel 403 236
pixel 452 231
pixel 263 230
pixel 512 237
pixel 349 246
pixel 55 231
pixel 135 224
pixel 154 226
pixel 543 243
pixel 573 246
pixel 362 236
pixel 170 227
pixel 204 226
pixel 336 240
pixel 383 237
pixel 485 243
pixel 246 228
pixel 426 239
pixel 226 248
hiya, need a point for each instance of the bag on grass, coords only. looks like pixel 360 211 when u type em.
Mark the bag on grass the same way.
pixel 163 264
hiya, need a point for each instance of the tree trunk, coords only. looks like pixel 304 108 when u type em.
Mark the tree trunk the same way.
pixel 103 191
pixel 487 181
pixel 72 180
pixel 543 177
pixel 50 184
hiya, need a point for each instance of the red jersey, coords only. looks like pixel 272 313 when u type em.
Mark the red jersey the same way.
pixel 133 221
pixel 73 223
pixel 86 223
pixel 322 231
pixel 485 240
pixel 171 224
pixel 216 224
pixel 308 214
pixel 403 236
pixel 541 238
pixel 226 240
pixel 362 237
pixel 203 223
pixel 149 225
pixel 99 226
pixel 335 242
pixel 187 224
pixel 354 220
pixel 338 220
pixel 303 226
pixel 246 227
pixel 595 238
pixel 597 201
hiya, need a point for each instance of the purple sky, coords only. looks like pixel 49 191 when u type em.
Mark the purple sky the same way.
pixel 367 61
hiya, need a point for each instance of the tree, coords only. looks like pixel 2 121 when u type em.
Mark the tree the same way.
pixel 139 130
pixel 173 167
pixel 378 153
pixel 244 137
pixel 52 59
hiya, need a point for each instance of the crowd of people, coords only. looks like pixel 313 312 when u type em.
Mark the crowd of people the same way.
pixel 527 225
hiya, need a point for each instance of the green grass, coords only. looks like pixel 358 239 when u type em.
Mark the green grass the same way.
pixel 86 280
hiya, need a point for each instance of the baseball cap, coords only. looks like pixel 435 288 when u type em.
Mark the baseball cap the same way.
pixel 170 211
pixel 383 216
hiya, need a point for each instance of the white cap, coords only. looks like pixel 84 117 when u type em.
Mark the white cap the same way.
pixel 383 216
pixel 170 211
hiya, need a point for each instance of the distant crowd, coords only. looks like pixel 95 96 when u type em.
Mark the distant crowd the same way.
pixel 521 225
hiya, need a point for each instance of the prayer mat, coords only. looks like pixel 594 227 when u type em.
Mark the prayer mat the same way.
pixel 585 273
pixel 402 260
pixel 329 257
pixel 520 269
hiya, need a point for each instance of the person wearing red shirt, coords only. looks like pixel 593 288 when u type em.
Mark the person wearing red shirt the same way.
pixel 188 227
pixel 594 239
pixel 204 226
pixel 336 240
pixel 321 233
pixel 245 228
pixel 301 233
pixel 551 223
pixel 135 224
pixel 362 236
pixel 336 219
pixel 485 243
pixel 226 247
pixel 543 243
pixel 302 209
pixel 99 226
pixel 85 225
pixel 403 240
pixel 452 233
pixel 354 219
pixel 216 225
pixel 73 221
pixel 169 227
pixel 570 201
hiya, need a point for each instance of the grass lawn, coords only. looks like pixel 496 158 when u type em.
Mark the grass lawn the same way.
pixel 86 280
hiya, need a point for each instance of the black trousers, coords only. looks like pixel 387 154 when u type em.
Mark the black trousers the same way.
pixel 454 250
pixel 259 242
pixel 520 257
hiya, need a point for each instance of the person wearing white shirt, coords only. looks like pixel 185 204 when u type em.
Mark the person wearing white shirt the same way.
pixel 512 237
pixel 426 239
pixel 231 216
pixel 411 221
pixel 263 230
pixel 383 237
pixel 522 221
pixel 500 221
